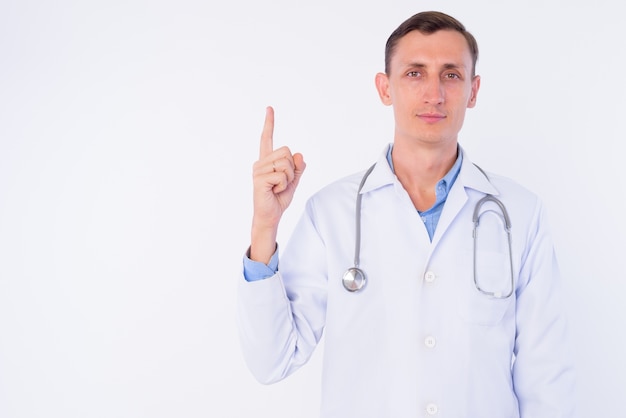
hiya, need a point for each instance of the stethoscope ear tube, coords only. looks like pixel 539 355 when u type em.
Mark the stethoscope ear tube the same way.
pixel 507 228
pixel 491 198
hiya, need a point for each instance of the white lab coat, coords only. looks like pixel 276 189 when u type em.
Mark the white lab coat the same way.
pixel 419 340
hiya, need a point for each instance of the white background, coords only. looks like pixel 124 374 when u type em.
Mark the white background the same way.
pixel 127 134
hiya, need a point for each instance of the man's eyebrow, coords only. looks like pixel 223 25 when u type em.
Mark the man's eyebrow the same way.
pixel 453 66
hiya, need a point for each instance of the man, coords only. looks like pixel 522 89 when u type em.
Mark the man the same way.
pixel 441 319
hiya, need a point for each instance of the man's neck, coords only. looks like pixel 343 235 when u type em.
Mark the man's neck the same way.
pixel 419 169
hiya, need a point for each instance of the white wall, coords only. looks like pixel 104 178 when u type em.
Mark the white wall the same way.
pixel 127 134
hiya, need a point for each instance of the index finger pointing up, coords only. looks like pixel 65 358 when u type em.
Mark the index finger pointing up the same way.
pixel 267 141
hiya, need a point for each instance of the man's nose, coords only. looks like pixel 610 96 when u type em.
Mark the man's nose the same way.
pixel 433 91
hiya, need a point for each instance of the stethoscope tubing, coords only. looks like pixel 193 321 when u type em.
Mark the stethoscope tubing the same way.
pixel 354 279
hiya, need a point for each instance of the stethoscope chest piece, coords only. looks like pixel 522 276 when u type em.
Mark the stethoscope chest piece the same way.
pixel 354 279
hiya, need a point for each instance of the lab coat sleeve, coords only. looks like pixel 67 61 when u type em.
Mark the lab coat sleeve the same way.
pixel 543 372
pixel 281 317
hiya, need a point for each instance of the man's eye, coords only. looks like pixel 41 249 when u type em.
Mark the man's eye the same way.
pixel 413 74
pixel 452 76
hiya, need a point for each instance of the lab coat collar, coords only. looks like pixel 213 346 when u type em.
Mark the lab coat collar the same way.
pixel 381 175
pixel 470 176
pixel 473 177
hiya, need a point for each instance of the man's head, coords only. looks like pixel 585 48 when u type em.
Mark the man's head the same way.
pixel 427 23
pixel 429 78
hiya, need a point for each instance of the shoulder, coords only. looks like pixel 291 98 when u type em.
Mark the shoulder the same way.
pixel 343 186
pixel 508 186
pixel 525 208
pixel 521 202
pixel 477 177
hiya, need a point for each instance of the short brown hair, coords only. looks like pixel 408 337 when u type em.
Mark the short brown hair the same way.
pixel 427 23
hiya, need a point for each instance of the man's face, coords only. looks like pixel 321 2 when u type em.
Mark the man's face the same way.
pixel 429 85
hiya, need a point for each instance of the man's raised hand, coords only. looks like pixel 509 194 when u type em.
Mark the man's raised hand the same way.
pixel 276 175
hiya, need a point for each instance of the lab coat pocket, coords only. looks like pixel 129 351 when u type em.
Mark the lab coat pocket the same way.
pixel 488 292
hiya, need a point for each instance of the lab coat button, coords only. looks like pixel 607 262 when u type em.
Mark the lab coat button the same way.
pixel 429 276
pixel 432 409
pixel 430 341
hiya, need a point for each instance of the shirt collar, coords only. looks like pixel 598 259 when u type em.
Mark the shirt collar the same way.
pixel 448 180
pixel 469 176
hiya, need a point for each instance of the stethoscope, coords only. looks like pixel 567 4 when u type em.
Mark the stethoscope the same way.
pixel 354 279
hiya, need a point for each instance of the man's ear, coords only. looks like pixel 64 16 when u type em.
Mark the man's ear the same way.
pixel 475 86
pixel 382 86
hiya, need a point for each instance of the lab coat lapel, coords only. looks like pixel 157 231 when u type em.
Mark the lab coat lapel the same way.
pixel 470 177
pixel 457 198
pixel 380 176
